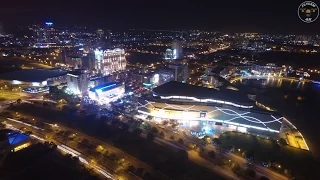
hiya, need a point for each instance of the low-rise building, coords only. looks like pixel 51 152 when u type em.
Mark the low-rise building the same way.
pixel 107 92
pixel 77 82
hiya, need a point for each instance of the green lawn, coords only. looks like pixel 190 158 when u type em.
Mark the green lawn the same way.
pixel 264 149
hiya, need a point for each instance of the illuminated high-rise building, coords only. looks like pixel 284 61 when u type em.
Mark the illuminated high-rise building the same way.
pixel 108 40
pixel 43 33
pixel 180 72
pixel 177 51
pixel 88 61
pixel 100 33
pixel 110 61
pixel 169 54
pixel 100 38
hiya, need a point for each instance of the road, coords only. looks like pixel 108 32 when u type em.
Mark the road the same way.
pixel 107 145
pixel 260 170
pixel 194 157
pixel 137 163
pixel 38 135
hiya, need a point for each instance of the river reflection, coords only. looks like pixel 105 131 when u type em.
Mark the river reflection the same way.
pixel 279 83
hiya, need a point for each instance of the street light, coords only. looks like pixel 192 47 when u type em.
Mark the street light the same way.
pixel 239 149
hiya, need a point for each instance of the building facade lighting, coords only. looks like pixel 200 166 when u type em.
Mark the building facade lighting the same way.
pixel 110 61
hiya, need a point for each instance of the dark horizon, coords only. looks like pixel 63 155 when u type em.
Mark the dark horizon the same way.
pixel 248 16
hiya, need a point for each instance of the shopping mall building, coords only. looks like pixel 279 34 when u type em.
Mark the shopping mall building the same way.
pixel 108 92
pixel 231 109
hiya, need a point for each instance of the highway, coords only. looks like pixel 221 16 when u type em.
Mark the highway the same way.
pixel 38 135
pixel 106 144
pixel 48 135
pixel 193 155
pixel 137 163
pixel 260 170
pixel 197 159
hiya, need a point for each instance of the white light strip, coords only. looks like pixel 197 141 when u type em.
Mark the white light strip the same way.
pixel 289 123
pixel 216 120
pixel 74 153
pixel 249 117
pixel 71 150
pixel 83 161
pixel 65 149
pixel 169 106
pixel 37 137
pixel 35 127
pixel 205 100
pixel 45 100
pixel 72 75
pixel 9 126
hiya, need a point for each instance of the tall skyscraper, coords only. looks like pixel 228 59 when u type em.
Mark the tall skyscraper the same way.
pixel 63 55
pixel 100 38
pixel 168 54
pixel 177 50
pixel 88 61
pixel 180 72
pixel 108 40
pixel 110 60
pixel 100 33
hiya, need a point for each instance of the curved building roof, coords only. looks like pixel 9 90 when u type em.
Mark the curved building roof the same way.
pixel 201 94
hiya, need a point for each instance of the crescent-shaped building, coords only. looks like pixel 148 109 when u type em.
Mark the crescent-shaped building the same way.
pixel 233 109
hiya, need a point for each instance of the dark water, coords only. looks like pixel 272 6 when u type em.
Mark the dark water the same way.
pixel 293 59
pixel 299 102
pixel 281 84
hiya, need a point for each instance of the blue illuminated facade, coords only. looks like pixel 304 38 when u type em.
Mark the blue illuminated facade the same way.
pixel 49 23
pixel 14 137
pixel 107 92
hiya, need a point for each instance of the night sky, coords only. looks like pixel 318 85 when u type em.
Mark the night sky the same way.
pixel 238 15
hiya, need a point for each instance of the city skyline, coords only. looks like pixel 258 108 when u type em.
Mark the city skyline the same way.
pixel 159 90
pixel 271 16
